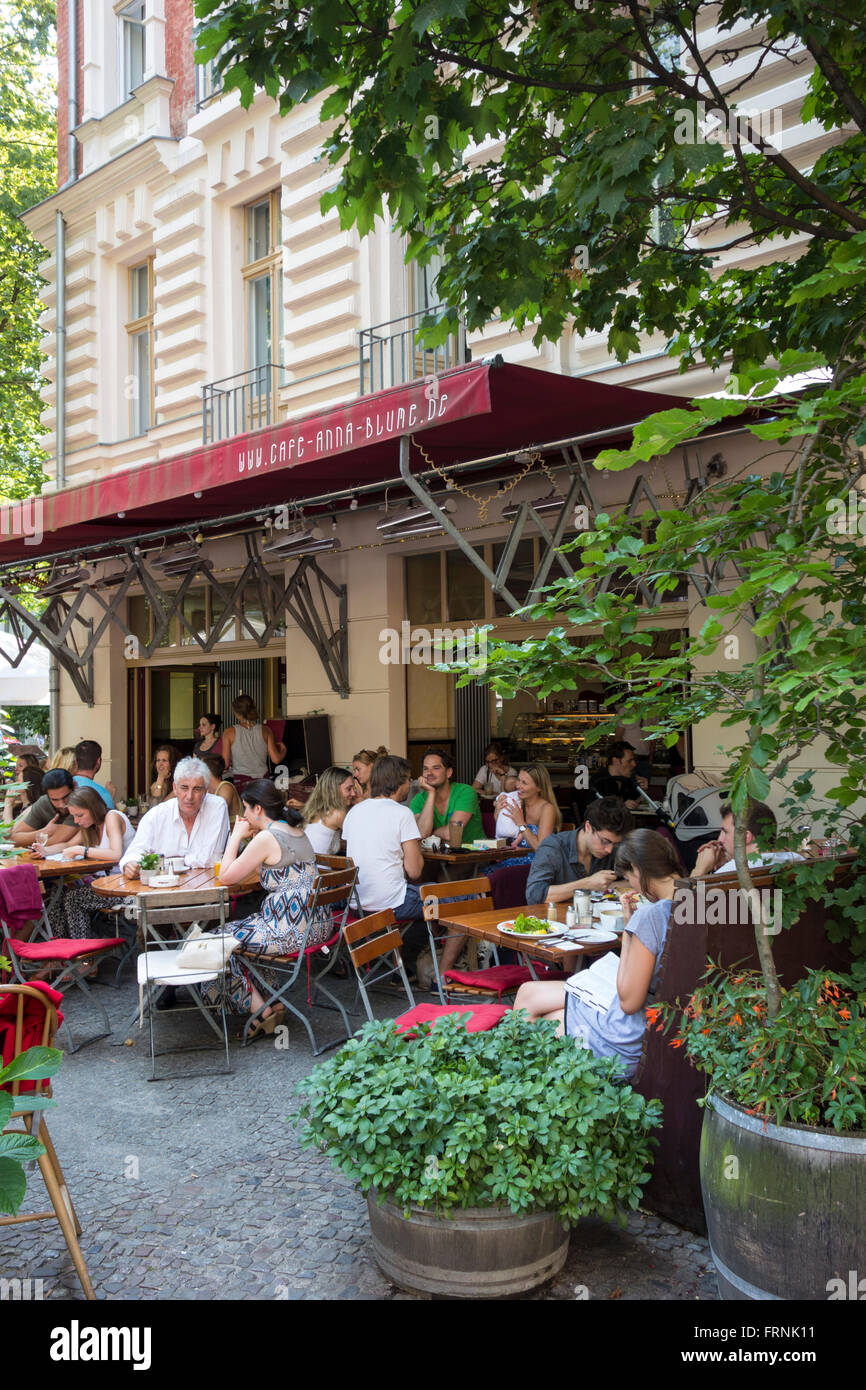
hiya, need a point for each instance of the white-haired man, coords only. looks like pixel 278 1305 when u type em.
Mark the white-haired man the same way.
pixel 193 823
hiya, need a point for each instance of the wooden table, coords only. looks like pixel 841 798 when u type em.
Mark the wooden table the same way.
pixel 46 868
pixel 483 927
pixel 469 859
pixel 119 886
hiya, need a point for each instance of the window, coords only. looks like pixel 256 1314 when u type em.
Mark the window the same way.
pixel 666 44
pixel 139 329
pixel 131 19
pixel 263 287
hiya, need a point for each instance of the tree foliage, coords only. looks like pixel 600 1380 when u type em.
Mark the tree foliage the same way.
pixel 553 153
pixel 28 173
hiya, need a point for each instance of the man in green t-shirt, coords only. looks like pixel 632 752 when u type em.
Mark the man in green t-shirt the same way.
pixel 443 800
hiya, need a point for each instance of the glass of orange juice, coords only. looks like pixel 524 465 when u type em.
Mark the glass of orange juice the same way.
pixel 216 868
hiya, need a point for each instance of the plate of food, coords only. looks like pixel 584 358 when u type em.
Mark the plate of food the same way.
pixel 527 928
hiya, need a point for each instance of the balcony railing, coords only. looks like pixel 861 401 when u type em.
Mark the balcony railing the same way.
pixel 246 401
pixel 390 356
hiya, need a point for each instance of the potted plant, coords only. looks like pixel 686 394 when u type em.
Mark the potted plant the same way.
pixel 149 864
pixel 477 1151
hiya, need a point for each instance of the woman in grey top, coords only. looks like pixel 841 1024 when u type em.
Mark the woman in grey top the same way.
pixel 284 858
pixel 649 864
pixel 249 744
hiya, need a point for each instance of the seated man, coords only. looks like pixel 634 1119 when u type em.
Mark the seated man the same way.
pixel 619 779
pixel 442 801
pixel 193 823
pixel 383 839
pixel 717 856
pixel 88 759
pixel 48 812
pixel 579 859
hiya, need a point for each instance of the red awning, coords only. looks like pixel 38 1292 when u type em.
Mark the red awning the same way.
pixel 471 412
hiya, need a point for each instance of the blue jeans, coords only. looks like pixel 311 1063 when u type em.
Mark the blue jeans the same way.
pixel 410 918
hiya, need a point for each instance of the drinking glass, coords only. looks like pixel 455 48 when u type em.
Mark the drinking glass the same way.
pixel 455 828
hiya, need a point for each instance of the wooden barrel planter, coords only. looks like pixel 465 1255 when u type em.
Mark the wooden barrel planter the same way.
pixel 480 1252
pixel 785 1205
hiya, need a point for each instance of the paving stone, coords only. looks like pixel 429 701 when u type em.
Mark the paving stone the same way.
pixel 228 1205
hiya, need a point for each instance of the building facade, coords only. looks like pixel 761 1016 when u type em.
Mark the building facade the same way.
pixel 206 296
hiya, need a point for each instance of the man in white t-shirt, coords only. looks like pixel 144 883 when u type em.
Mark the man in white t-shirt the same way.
pixel 383 839
pixel 717 857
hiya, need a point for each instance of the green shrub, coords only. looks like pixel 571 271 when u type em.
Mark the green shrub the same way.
pixel 449 1119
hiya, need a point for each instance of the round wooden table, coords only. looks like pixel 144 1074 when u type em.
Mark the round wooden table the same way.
pixel 55 868
pixel 119 886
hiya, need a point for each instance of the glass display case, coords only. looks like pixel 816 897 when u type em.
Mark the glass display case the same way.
pixel 557 740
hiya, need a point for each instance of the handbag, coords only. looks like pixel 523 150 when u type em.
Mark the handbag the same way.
pixel 205 952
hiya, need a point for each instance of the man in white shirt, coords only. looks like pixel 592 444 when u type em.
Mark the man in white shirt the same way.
pixel 193 823
pixel 383 839
pixel 717 857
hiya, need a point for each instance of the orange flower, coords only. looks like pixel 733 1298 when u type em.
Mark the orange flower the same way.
pixel 739 980
pixel 833 1093
pixel 677 1042
pixel 756 1008
pixel 705 1031
pixel 844 1013
pixel 652 1015
pixel 736 1019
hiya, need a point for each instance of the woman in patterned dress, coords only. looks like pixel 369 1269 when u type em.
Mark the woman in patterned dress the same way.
pixel 287 867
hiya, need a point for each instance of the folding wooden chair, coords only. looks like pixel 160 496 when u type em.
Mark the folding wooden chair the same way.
pixel 331 890
pixel 376 937
pixel 338 862
pixel 40 1032
pixel 73 958
pixel 475 893
pixel 159 915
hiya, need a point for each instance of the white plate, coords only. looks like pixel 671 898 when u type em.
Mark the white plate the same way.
pixel 591 936
pixel 164 881
pixel 507 929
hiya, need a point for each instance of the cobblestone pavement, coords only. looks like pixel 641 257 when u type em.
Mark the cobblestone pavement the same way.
pixel 196 1188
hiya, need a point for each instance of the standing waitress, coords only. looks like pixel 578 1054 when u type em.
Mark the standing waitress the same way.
pixel 249 744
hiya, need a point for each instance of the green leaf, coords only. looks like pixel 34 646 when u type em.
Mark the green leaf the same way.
pixel 13 1185
pixel 36 1064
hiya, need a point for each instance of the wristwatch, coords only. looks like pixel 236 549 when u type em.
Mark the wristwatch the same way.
pixel 84 855
pixel 521 829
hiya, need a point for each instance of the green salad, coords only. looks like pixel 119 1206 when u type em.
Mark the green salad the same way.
pixel 532 926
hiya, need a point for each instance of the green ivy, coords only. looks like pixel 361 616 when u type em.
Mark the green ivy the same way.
pixel 447 1119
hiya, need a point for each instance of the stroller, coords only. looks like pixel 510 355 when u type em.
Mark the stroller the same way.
pixel 692 811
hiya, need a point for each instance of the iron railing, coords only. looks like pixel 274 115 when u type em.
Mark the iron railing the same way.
pixel 245 401
pixel 390 356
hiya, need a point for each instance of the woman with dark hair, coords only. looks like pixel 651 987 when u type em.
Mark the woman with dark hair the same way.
pixel 209 738
pixel 284 857
pixel 219 786
pixel 497 775
pixel 165 760
pixel 649 864
pixel 28 796
pixel 101 835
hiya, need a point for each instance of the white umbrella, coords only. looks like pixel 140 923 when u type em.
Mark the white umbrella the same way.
pixel 26 683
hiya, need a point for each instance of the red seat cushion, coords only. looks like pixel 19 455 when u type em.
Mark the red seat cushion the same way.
pixel 501 978
pixel 481 1016
pixel 64 947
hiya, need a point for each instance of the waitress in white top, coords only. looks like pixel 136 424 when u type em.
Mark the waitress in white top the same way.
pixel 248 745
pixel 102 836
pixel 496 776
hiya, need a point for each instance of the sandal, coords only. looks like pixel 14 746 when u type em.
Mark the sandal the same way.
pixel 267 1025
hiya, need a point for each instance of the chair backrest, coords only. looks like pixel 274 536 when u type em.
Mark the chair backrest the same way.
pixel 333 887
pixel 508 885
pixel 372 937
pixel 38 1036
pixel 334 861
pixel 474 891
pixel 173 907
